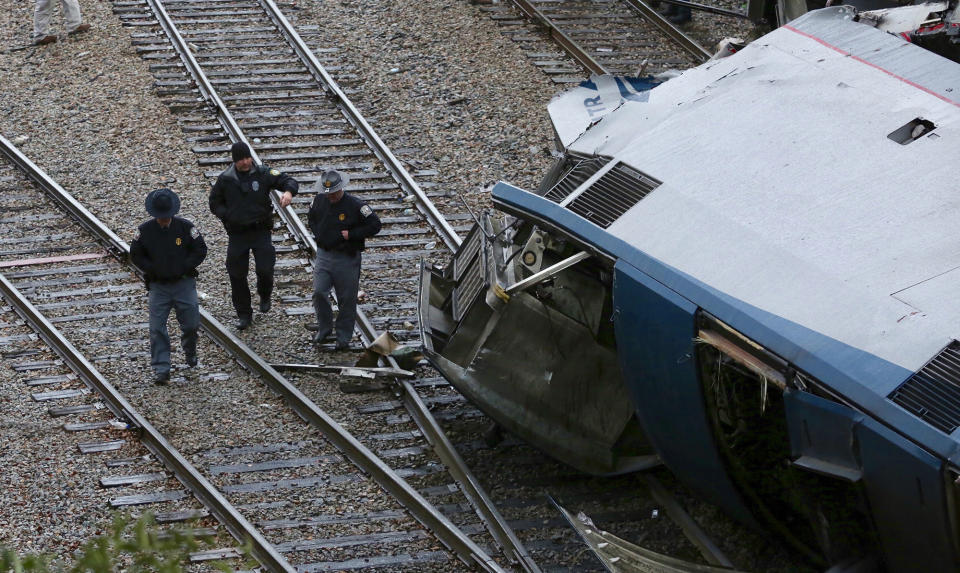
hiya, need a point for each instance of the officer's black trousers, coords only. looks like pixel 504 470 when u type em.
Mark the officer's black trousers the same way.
pixel 238 264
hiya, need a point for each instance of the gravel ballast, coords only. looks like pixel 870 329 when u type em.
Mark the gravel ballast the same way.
pixel 436 76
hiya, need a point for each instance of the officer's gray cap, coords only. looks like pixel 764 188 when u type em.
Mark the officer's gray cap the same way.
pixel 331 181
pixel 162 203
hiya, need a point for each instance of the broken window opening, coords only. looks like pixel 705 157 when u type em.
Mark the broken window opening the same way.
pixel 743 385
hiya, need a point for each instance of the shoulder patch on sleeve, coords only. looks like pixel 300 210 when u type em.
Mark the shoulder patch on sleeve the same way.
pixel 274 172
pixel 136 236
pixel 194 232
pixel 366 211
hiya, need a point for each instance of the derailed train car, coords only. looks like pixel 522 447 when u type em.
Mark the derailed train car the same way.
pixel 751 272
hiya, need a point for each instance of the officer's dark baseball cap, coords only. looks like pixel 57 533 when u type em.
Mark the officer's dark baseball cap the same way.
pixel 162 203
pixel 331 181
pixel 239 150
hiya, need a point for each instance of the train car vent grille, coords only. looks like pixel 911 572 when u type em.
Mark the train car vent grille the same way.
pixel 612 195
pixel 467 251
pixel 580 172
pixel 472 282
pixel 933 393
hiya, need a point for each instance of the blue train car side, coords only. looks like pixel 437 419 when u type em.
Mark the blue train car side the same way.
pixel 748 274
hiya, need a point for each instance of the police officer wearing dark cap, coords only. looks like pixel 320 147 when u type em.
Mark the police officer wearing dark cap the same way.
pixel 340 224
pixel 241 199
pixel 168 250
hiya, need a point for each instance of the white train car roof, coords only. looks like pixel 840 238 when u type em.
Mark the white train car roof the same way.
pixel 785 183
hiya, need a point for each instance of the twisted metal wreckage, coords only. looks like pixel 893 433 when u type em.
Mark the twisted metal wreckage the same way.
pixel 749 274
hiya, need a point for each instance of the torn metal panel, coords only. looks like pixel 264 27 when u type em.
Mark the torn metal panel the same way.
pixel 526 337
pixel 621 556
pixel 774 278
pixel 575 110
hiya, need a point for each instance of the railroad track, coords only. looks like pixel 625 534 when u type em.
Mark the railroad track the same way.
pixel 282 101
pixel 77 290
pixel 618 37
pixel 288 136
pixel 264 477
pixel 238 71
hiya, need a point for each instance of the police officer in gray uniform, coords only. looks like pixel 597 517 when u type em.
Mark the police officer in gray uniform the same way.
pixel 241 200
pixel 340 223
pixel 168 250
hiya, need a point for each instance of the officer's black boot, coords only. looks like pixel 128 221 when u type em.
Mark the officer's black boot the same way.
pixel 243 323
pixel 265 304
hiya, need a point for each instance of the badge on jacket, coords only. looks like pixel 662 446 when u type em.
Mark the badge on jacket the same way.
pixel 255 185
pixel 274 172
pixel 343 216
pixel 179 241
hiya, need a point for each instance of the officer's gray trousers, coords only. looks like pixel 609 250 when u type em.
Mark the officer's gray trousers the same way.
pixel 340 271
pixel 181 296
pixel 41 16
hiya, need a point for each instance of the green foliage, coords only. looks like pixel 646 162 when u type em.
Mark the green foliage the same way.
pixel 129 545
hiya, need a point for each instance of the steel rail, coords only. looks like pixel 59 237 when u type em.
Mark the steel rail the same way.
pixel 451 536
pixel 708 9
pixel 226 118
pixel 664 25
pixel 238 526
pixel 495 522
pixel 486 509
pixel 583 57
pixel 565 41
pixel 380 149
pixel 458 469
pixel 427 514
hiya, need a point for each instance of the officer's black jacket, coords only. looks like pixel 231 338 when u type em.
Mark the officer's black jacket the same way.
pixel 242 199
pixel 166 255
pixel 327 219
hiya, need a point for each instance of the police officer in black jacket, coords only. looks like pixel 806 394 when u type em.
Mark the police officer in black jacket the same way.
pixel 340 223
pixel 241 199
pixel 168 250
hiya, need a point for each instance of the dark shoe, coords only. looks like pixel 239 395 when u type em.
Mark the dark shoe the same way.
pixel 161 378
pixel 48 39
pixel 79 29
pixel 243 323
pixel 192 362
pixel 342 345
pixel 265 305
pixel 321 337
